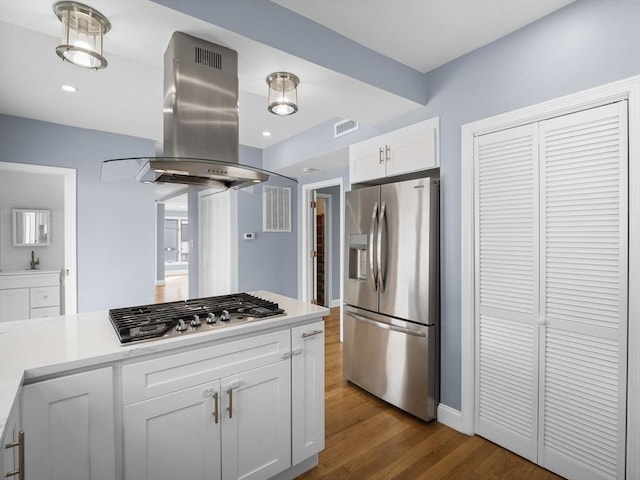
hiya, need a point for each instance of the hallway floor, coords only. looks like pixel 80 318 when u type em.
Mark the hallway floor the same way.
pixel 176 287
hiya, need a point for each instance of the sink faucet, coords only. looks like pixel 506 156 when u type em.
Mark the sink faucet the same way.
pixel 34 261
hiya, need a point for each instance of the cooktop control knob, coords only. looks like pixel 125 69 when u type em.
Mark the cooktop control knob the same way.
pixel 181 327
pixel 196 321
pixel 211 318
pixel 224 316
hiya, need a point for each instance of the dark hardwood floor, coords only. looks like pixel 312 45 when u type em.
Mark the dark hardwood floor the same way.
pixel 368 439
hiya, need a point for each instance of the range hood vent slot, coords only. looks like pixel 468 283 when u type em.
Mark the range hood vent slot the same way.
pixel 208 58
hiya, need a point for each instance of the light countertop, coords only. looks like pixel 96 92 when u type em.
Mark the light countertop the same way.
pixel 27 271
pixel 34 348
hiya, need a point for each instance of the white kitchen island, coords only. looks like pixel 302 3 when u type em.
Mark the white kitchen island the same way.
pixel 244 401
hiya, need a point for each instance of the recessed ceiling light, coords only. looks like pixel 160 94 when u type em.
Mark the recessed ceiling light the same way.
pixel 310 170
pixel 266 134
pixel 69 88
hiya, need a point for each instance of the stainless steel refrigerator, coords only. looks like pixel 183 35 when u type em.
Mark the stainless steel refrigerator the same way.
pixel 391 293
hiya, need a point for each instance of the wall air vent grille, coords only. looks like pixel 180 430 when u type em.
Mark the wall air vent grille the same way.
pixel 276 209
pixel 344 127
pixel 208 58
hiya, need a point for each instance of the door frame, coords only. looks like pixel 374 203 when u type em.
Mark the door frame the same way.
pixel 305 244
pixel 69 270
pixel 628 89
pixel 328 252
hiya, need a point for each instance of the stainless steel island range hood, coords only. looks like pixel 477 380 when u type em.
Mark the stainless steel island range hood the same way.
pixel 201 144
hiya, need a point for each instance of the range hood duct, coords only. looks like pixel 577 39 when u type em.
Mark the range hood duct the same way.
pixel 201 143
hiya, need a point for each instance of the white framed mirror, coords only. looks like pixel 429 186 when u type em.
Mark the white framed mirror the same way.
pixel 31 227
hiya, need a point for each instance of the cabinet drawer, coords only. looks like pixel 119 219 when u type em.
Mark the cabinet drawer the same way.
pixel 45 312
pixel 45 297
pixel 29 280
pixel 159 376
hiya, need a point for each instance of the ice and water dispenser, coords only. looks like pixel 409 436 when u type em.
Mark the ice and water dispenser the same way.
pixel 358 256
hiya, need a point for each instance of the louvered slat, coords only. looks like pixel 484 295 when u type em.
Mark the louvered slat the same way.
pixel 586 378
pixel 584 292
pixel 506 176
pixel 506 283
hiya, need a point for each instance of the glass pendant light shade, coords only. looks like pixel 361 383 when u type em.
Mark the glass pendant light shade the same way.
pixel 83 29
pixel 283 93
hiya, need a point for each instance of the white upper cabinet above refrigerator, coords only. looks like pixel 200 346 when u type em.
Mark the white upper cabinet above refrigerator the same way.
pixel 406 150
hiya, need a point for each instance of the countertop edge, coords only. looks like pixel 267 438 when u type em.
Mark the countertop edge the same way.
pixel 12 382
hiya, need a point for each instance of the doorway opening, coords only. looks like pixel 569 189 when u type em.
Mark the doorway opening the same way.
pixel 59 256
pixel 321 281
pixel 173 240
pixel 332 268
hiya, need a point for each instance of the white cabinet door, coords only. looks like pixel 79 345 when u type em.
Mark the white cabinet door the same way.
pixel 256 422
pixel 406 150
pixel 412 149
pixel 367 160
pixel 9 456
pixel 307 391
pixel 69 427
pixel 174 436
pixel 14 304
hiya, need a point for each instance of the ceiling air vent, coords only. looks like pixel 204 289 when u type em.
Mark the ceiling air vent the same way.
pixel 344 127
pixel 208 58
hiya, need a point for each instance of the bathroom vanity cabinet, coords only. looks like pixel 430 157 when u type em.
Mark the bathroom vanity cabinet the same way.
pixel 29 294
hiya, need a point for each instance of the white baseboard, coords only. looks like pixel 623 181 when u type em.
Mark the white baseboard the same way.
pixel 160 283
pixel 450 417
pixel 335 303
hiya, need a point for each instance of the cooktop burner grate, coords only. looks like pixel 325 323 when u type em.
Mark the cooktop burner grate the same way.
pixel 147 322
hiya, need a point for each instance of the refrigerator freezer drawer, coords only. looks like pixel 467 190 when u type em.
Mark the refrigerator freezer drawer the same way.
pixel 393 360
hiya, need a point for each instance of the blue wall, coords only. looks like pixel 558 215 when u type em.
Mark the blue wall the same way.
pixel 586 44
pixel 116 220
pixel 116 224
pixel 270 261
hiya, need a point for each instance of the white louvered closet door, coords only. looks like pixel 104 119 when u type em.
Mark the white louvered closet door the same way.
pixel 584 221
pixel 507 265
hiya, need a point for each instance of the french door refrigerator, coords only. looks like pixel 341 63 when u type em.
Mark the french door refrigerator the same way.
pixel 391 293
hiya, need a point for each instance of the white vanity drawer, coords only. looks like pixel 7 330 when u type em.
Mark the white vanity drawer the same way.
pixel 45 312
pixel 45 296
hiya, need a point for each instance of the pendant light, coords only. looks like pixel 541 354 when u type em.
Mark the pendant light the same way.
pixel 83 29
pixel 283 93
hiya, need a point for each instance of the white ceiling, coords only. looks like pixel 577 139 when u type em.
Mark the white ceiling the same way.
pixel 126 97
pixel 423 34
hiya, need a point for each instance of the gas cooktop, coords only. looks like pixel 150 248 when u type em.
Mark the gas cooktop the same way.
pixel 164 320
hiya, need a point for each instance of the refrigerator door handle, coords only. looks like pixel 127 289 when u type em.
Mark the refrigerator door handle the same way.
pixel 373 265
pixel 387 326
pixel 382 247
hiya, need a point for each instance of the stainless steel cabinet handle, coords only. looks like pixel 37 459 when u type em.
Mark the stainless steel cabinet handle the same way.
pixel 387 326
pixel 382 247
pixel 387 153
pixel 19 472
pixel 230 407
pixel 311 334
pixel 381 156
pixel 235 384
pixel 373 267
pixel 215 407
